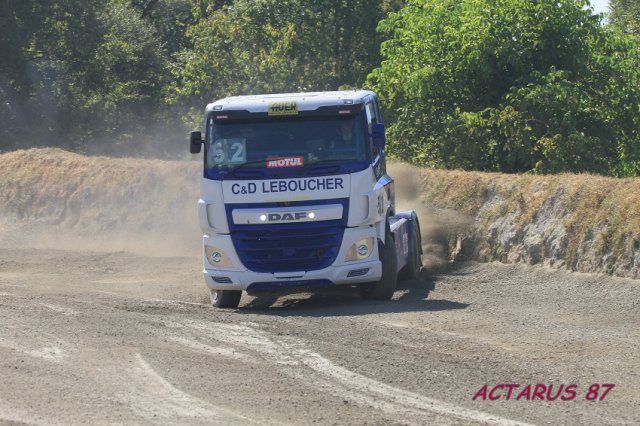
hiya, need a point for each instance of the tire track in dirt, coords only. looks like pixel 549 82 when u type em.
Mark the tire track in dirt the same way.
pixel 47 353
pixel 212 350
pixel 331 377
pixel 127 380
pixel 15 335
pixel 10 415
pixel 325 359
pixel 152 396
pixel 148 394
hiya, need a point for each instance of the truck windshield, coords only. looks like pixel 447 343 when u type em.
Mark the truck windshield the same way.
pixel 284 142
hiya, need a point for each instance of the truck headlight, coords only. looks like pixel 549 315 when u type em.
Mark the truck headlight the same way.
pixel 360 250
pixel 216 257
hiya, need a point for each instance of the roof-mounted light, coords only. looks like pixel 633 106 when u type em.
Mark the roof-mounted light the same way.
pixel 348 101
pixel 217 108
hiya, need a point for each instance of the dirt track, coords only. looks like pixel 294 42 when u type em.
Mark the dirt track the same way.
pixel 102 322
pixel 104 337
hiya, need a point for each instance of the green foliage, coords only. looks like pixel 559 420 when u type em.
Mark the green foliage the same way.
pixel 505 85
pixel 48 43
pixel 279 46
pixel 169 19
pixel 86 75
pixel 625 15
pixel 131 69
pixel 510 85
pixel 115 75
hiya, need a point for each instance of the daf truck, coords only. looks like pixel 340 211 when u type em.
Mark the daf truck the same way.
pixel 295 197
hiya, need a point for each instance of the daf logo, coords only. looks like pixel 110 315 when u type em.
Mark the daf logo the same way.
pixel 286 217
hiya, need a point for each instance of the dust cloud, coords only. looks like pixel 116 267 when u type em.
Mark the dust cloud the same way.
pixel 438 227
pixel 59 200
pixel 53 199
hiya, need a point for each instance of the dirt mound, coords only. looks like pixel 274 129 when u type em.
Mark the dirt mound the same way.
pixel 53 198
pixel 56 198
pixel 579 222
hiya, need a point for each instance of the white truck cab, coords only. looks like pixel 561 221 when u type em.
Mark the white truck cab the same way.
pixel 295 197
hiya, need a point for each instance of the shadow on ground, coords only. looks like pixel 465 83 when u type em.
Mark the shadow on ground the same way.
pixel 413 297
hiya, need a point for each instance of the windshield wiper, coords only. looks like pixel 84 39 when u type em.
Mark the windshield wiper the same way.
pixel 234 169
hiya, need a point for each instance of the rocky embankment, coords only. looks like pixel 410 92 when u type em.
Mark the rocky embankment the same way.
pixel 582 223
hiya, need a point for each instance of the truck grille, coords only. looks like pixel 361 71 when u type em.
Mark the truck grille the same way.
pixel 290 247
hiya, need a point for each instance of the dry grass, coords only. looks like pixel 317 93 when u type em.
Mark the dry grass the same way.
pixel 592 208
pixel 98 195
pixel 40 183
pixel 139 198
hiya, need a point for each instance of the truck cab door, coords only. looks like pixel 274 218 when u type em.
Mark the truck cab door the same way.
pixel 384 186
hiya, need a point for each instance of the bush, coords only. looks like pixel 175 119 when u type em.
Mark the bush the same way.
pixel 511 86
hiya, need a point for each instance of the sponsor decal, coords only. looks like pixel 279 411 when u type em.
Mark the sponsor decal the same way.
pixel 298 185
pixel 282 108
pixel 279 162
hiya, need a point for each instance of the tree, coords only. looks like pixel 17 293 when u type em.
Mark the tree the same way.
pixel 280 45
pixel 47 46
pixel 88 75
pixel 509 85
pixel 625 15
pixel 131 69
pixel 169 18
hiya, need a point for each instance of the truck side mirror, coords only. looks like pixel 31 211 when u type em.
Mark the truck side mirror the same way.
pixel 195 142
pixel 378 135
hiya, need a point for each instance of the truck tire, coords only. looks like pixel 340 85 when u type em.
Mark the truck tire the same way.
pixel 414 265
pixel 229 299
pixel 384 289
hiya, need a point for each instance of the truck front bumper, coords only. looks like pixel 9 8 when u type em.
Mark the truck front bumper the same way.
pixel 254 282
pixel 339 273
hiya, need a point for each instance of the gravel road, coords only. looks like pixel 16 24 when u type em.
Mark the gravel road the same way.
pixel 117 337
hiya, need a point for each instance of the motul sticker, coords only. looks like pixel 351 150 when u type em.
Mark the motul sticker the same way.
pixel 279 162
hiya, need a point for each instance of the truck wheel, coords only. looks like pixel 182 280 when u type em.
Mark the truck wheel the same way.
pixel 414 265
pixel 226 298
pixel 383 289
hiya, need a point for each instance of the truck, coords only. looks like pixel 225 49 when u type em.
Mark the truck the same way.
pixel 295 197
